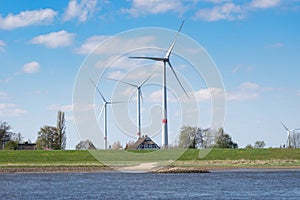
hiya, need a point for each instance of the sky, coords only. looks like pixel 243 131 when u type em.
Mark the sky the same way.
pixel 254 45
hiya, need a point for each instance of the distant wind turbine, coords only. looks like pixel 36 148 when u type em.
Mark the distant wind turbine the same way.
pixel 139 98
pixel 289 145
pixel 165 59
pixel 104 108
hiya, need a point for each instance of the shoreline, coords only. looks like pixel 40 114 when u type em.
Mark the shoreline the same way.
pixel 168 169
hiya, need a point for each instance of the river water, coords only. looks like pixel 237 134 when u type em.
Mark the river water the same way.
pixel 237 184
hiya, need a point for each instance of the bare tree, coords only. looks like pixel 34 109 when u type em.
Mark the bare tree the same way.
pixel 295 140
pixel 85 145
pixel 259 144
pixel 117 146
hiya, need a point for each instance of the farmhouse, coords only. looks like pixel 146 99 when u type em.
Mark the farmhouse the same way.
pixel 143 143
pixel 26 146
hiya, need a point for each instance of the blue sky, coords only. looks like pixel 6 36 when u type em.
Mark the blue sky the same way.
pixel 255 44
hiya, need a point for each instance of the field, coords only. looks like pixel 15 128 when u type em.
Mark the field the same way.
pixel 71 160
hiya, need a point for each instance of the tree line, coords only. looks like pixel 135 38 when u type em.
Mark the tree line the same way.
pixel 48 137
pixel 195 137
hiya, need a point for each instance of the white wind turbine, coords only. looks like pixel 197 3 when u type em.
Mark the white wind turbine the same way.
pixel 165 60
pixel 289 145
pixel 139 97
pixel 104 108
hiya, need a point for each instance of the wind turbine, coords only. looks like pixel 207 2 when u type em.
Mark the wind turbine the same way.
pixel 289 134
pixel 165 60
pixel 104 108
pixel 139 97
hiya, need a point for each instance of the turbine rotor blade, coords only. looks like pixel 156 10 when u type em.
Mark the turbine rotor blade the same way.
pixel 178 79
pixel 146 80
pixel 116 102
pixel 142 98
pixel 169 51
pixel 103 107
pixel 121 82
pixel 98 90
pixel 284 126
pixel 147 58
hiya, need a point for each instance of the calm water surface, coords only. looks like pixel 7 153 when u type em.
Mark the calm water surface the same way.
pixel 113 185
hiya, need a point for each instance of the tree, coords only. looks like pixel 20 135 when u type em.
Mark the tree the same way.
pixel 47 138
pixel 50 137
pixel 187 137
pixel 117 146
pixel 85 145
pixel 5 134
pixel 61 130
pixel 249 146
pixel 295 140
pixel 193 137
pixel 259 144
pixel 223 140
pixel 11 145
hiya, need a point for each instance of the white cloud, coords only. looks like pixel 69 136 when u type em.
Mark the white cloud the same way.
pixel 116 45
pixel 156 97
pixel 228 11
pixel 31 67
pixel 242 68
pixel 245 91
pixel 27 18
pixel 142 7
pixel 63 108
pixel 276 45
pixel 116 75
pixel 206 94
pixel 216 1
pixel 264 3
pixel 80 10
pixel 236 69
pixel 55 39
pixel 90 44
pixel 6 80
pixel 2 45
pixel 11 110
pixel 3 95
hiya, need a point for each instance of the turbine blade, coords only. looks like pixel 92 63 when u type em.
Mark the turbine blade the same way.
pixel 116 102
pixel 142 98
pixel 146 80
pixel 284 126
pixel 103 107
pixel 169 51
pixel 296 129
pixel 178 79
pixel 121 82
pixel 146 57
pixel 98 90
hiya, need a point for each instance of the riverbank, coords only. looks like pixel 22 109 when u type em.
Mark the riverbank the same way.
pixel 175 167
pixel 189 162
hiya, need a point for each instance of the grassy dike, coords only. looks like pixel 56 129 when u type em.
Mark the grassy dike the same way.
pixel 72 160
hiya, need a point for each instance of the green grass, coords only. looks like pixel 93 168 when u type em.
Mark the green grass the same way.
pixel 244 154
pixel 47 157
pixel 72 157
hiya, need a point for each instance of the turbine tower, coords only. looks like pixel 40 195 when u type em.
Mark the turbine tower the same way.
pixel 104 108
pixel 289 145
pixel 165 60
pixel 139 97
